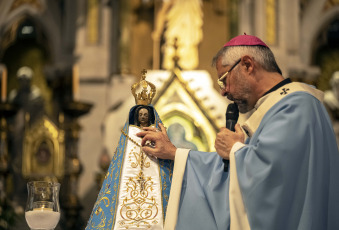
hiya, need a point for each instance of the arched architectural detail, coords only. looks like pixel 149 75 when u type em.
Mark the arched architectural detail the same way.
pixel 311 25
pixel 44 21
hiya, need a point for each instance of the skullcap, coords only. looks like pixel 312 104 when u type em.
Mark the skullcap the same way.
pixel 245 40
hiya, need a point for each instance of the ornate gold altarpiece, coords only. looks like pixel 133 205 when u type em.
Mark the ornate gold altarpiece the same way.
pixel 43 150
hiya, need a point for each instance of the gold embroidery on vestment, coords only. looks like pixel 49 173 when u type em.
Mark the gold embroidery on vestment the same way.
pixel 140 206
pixel 140 159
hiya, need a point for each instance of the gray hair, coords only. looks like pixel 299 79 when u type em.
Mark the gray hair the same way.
pixel 262 55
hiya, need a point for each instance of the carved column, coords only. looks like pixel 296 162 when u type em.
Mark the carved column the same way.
pixel 73 168
pixel 7 214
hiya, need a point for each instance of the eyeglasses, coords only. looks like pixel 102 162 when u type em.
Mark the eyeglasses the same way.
pixel 221 81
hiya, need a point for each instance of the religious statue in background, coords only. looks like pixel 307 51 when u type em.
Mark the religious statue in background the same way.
pixel 332 96
pixel 27 96
pixel 183 21
pixel 135 192
pixel 28 100
pixel 331 100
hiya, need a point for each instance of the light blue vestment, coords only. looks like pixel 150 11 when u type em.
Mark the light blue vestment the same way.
pixel 288 174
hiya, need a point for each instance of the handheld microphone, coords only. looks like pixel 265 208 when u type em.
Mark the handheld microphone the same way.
pixel 232 115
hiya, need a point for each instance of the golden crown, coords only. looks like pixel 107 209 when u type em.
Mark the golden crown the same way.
pixel 146 90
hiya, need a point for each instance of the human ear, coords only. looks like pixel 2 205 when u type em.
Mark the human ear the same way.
pixel 248 62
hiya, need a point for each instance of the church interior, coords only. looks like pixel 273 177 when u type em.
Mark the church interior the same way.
pixel 67 67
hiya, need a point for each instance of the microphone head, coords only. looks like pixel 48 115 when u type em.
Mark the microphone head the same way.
pixel 232 112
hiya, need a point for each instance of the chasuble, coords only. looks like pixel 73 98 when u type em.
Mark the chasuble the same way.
pixel 285 176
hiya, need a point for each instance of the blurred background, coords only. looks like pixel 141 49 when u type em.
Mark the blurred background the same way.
pixel 67 67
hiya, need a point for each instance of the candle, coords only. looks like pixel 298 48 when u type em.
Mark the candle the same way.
pixel 4 84
pixel 42 209
pixel 75 82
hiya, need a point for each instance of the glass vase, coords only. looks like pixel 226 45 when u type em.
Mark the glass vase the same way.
pixel 42 209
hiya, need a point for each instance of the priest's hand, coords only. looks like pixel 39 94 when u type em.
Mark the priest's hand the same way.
pixel 161 147
pixel 226 139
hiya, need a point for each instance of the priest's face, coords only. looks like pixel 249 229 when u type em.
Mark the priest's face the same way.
pixel 237 86
pixel 143 117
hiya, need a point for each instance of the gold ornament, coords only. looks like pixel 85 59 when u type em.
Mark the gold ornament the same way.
pixel 147 91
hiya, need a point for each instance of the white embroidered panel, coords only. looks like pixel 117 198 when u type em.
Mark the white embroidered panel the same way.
pixel 139 204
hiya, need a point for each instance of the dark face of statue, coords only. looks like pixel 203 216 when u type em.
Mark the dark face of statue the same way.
pixel 143 117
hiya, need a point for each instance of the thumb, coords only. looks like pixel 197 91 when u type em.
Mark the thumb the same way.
pixel 238 128
pixel 239 131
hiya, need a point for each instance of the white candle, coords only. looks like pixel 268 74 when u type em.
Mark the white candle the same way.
pixel 75 82
pixel 4 84
pixel 42 219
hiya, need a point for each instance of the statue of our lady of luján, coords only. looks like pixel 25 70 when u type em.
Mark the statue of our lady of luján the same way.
pixel 135 192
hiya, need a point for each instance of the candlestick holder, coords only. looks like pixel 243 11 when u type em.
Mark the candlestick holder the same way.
pixel 42 209
pixel 70 203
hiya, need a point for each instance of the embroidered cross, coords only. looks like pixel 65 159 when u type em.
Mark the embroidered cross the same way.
pixel 284 91
pixel 141 180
